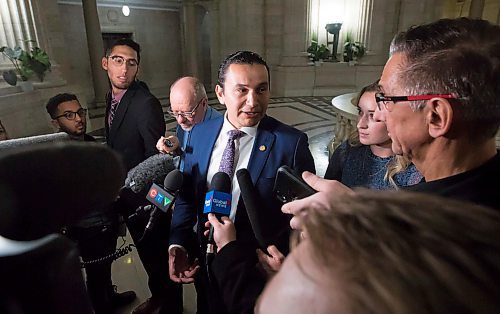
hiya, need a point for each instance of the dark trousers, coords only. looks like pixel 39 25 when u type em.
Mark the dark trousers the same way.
pixel 153 251
pixel 95 243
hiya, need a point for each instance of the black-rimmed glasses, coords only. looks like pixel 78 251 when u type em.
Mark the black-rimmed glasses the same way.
pixel 188 114
pixel 71 115
pixel 381 98
pixel 119 61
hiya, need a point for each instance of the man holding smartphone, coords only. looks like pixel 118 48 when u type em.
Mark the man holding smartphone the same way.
pixel 189 106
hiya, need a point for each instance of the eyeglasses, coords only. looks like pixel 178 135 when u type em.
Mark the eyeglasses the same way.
pixel 71 115
pixel 186 115
pixel 381 98
pixel 119 61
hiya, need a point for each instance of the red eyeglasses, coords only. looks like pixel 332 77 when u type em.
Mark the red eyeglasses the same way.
pixel 381 98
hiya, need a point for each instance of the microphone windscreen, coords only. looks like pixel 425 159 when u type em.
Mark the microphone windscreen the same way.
pixel 218 198
pixel 173 180
pixel 44 187
pixel 250 198
pixel 152 170
pixel 221 182
pixel 19 142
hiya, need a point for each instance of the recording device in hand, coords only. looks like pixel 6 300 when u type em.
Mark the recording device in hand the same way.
pixel 218 202
pixel 289 186
pixel 266 232
pixel 168 143
pixel 251 198
pixel 163 198
pixel 151 170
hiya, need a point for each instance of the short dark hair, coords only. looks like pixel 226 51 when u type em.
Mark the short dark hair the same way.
pixel 125 42
pixel 240 57
pixel 460 56
pixel 56 100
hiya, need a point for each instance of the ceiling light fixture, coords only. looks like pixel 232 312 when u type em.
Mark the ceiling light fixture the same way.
pixel 126 10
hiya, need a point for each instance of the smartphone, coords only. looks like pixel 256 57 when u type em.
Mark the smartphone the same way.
pixel 168 143
pixel 289 186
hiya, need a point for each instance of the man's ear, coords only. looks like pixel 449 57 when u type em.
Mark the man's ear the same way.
pixel 439 116
pixel 104 63
pixel 219 91
pixel 55 124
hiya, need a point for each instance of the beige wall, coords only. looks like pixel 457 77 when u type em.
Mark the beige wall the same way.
pixel 276 29
pixel 157 31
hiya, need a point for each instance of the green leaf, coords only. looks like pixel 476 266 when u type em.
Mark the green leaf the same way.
pixel 10 77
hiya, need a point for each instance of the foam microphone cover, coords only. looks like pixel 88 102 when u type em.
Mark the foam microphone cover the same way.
pixel 265 232
pixel 44 187
pixel 251 198
pixel 221 182
pixel 25 141
pixel 152 170
pixel 173 181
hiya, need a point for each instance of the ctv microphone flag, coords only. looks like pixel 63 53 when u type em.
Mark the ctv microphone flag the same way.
pixel 159 197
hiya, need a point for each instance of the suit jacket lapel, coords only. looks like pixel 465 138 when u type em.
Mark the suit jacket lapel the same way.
pixel 207 142
pixel 261 149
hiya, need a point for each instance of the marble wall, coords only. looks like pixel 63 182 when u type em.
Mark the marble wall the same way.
pixel 277 29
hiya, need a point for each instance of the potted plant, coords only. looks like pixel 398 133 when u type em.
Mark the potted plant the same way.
pixel 318 52
pixel 353 50
pixel 26 63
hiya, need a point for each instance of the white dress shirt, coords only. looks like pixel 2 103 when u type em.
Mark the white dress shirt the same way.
pixel 243 149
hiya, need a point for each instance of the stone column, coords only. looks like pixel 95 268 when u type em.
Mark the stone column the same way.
pixel 295 33
pixel 215 46
pixel 476 9
pixel 96 48
pixel 365 22
pixel 191 37
pixel 17 24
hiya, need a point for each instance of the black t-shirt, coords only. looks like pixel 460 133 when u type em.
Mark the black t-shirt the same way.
pixel 478 185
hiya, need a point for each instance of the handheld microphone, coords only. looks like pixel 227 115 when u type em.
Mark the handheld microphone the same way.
pixel 163 198
pixel 218 202
pixel 264 234
pixel 151 170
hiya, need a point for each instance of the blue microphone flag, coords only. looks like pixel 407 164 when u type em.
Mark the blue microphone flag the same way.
pixel 217 202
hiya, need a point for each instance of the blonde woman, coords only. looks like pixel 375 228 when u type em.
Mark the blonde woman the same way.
pixel 366 158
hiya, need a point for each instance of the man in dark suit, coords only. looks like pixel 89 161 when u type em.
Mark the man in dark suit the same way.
pixel 134 122
pixel 262 145
pixel 134 117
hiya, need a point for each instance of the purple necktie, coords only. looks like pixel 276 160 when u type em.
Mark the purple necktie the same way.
pixel 112 110
pixel 227 162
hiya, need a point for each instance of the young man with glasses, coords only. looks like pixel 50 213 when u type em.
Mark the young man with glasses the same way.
pixel 68 116
pixel 134 122
pixel 189 106
pixel 96 234
pixel 134 117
